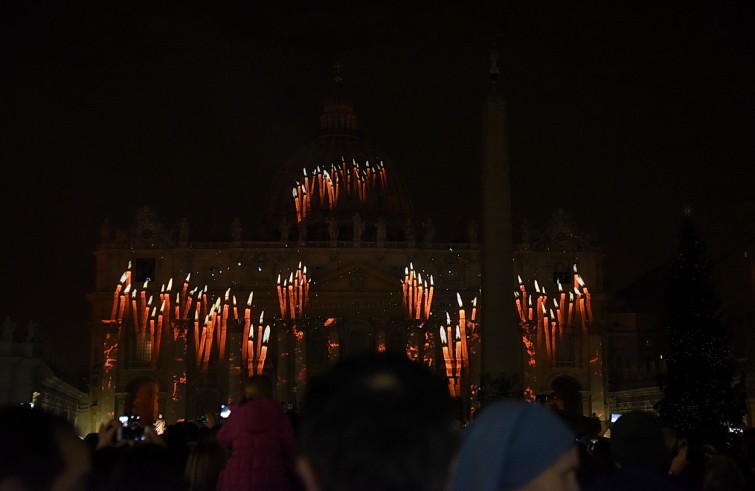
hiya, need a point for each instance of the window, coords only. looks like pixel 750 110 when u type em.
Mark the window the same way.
pixel 143 354
pixel 144 270
pixel 562 274
pixel 317 348
pixel 564 349
pixel 396 342
pixel 357 342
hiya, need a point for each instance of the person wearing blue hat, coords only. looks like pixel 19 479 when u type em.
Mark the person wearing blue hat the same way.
pixel 517 446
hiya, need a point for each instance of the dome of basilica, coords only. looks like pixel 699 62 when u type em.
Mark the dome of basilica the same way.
pixel 337 179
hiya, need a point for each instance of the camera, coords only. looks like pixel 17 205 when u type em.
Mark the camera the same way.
pixel 543 399
pixel 224 411
pixel 130 429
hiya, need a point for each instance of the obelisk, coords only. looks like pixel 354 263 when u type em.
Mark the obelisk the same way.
pixel 501 350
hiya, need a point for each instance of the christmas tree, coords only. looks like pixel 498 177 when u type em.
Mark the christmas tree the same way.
pixel 698 384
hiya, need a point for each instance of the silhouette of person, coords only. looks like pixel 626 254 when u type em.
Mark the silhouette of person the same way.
pixel 409 231
pixel 429 232
pixel 302 232
pixel 204 463
pixel 40 451
pixel 358 226
pixel 31 331
pixel 284 228
pixel 333 229
pixel 261 441
pixel 106 231
pixel 514 445
pixel 377 421
pixel 472 232
pixel 380 230
pixel 9 327
pixel 236 230
pixel 183 230
pixel 639 451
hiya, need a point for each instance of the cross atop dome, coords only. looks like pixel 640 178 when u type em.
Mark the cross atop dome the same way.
pixel 338 111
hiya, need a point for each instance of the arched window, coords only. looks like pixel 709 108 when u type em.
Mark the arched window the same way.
pixel 143 350
pixel 317 349
pixel 357 342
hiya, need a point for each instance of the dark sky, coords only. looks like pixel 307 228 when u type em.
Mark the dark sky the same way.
pixel 619 115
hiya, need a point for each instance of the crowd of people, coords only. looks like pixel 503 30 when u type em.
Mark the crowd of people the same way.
pixel 373 422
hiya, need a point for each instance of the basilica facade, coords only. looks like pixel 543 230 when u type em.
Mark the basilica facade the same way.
pixel 343 266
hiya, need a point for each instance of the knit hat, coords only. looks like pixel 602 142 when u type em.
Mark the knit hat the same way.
pixel 637 441
pixel 509 444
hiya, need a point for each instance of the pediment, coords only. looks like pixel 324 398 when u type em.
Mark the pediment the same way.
pixel 358 277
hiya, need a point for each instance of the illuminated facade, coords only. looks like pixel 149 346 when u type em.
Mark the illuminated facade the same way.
pixel 343 266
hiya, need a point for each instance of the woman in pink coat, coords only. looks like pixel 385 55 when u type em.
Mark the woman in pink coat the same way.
pixel 261 442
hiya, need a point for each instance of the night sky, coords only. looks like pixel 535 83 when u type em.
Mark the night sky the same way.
pixel 619 115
